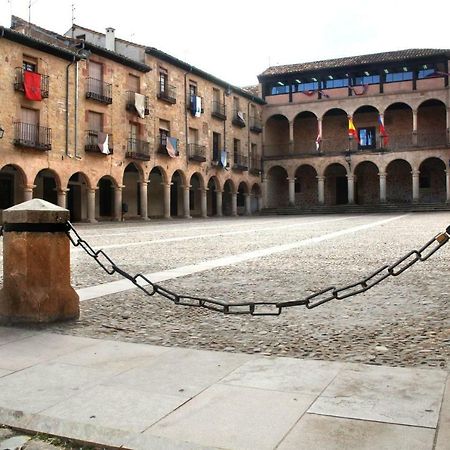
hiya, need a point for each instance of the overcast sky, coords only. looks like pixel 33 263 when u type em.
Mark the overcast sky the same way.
pixel 236 40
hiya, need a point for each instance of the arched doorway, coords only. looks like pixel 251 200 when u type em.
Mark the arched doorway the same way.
pixel 276 136
pixel 432 181
pixel 104 208
pixel 367 183
pixel 306 189
pixel 334 131
pixel 77 197
pixel 155 192
pixel 399 182
pixel 47 184
pixel 336 185
pixel 242 194
pixel 211 198
pixel 227 201
pixel 131 193
pixel 255 199
pixel 176 194
pixel 277 187
pixel 195 195
pixel 11 186
pixel 365 119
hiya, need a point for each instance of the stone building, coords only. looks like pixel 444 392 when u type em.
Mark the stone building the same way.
pixel 367 130
pixel 135 133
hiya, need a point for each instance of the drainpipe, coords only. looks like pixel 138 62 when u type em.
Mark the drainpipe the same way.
pixel 225 127
pixel 67 104
pixel 75 116
pixel 248 134
pixel 186 112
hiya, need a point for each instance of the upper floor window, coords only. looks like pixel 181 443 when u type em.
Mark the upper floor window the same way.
pixel 306 86
pixel 431 70
pixel 403 74
pixel 279 89
pixel 335 82
pixel 29 66
pixel 163 80
pixel 192 89
pixel 133 83
pixel 367 78
pixel 366 138
pixel 95 70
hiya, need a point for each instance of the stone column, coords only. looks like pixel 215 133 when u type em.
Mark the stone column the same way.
pixel 204 202
pixel 91 205
pixel 62 197
pixel 28 192
pixel 118 203
pixel 186 202
pixel 414 131
pixel 415 186
pixel 234 204
pixel 291 191
pixel 143 200
pixel 167 200
pixel 382 176
pixel 36 265
pixel 219 203
pixel 351 189
pixel 248 204
pixel 291 137
pixel 448 184
pixel 321 189
pixel 259 204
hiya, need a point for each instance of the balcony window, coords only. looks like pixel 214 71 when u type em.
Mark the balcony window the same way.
pixel 32 136
pixel 255 124
pixel 40 82
pixel 166 91
pixel 366 79
pixel 218 110
pixel 306 86
pixel 99 90
pixel 398 75
pixel 367 139
pixel 279 89
pixel 197 152
pixel 336 83
pixel 238 118
pixel 137 103
pixel 138 149
pixel 98 142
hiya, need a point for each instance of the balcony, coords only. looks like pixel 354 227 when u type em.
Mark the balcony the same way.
pixel 32 136
pixel 131 103
pixel 91 143
pixel 161 145
pixel 99 90
pixel 19 86
pixel 240 162
pixel 255 165
pixel 190 106
pixel 238 119
pixel 216 160
pixel 169 94
pixel 197 152
pixel 256 125
pixel 137 149
pixel 218 110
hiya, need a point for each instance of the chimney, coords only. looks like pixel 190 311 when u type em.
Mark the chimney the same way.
pixel 110 42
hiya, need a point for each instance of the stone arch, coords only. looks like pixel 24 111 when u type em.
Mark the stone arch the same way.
pixel 276 135
pixel 432 124
pixel 197 185
pixel 242 193
pixel 105 206
pixel 367 184
pixel 277 187
pixel 398 122
pixel 336 184
pixel 305 132
pixel 432 180
pixel 334 131
pixel 12 182
pixel 399 181
pixel 78 186
pixel 211 199
pixel 48 184
pixel 365 119
pixel 229 189
pixel 177 186
pixel 157 179
pixel 306 188
pixel 256 198
pixel 131 192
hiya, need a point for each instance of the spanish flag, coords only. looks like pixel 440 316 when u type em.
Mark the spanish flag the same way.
pixel 352 130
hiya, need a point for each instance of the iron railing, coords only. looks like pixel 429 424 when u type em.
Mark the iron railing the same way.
pixel 130 105
pixel 19 82
pixel 197 152
pixel 161 144
pixel 255 165
pixel 237 119
pixel 137 149
pixel 168 94
pixel 216 158
pixel 91 142
pixel 240 162
pixel 32 136
pixel 99 90
pixel 218 110
pixel 255 124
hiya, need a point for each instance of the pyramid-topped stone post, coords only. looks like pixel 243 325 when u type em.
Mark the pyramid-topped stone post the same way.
pixel 36 265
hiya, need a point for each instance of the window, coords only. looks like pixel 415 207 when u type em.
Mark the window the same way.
pixel 192 89
pixel 254 150
pixel 95 121
pixel 164 131
pixel 163 80
pixel 366 79
pixel 216 142
pixel 193 136
pixel 95 70
pixel 216 95
pixel 431 70
pixel 398 75
pixel 133 83
pixel 29 66
pixel 366 138
pixel 336 83
pixel 279 89
pixel 307 86
pixel 236 149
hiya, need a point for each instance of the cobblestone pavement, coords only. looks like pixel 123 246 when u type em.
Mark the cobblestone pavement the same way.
pixel 403 321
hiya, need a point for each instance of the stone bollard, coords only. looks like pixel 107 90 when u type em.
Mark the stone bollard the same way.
pixel 36 265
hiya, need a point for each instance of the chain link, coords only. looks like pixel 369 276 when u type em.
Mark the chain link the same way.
pixel 264 308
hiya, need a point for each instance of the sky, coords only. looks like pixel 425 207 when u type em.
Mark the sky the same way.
pixel 236 40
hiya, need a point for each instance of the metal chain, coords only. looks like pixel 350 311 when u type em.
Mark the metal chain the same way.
pixel 264 308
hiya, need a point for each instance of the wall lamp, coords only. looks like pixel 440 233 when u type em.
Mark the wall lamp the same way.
pixel 2 132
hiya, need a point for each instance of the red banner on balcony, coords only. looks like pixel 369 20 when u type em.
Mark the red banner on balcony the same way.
pixel 32 85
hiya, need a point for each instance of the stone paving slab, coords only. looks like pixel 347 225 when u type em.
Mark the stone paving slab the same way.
pixel 443 433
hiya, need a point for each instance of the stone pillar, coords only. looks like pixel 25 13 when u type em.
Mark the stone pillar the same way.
pixel 219 203
pixel 143 199
pixel 291 191
pixel 291 137
pixel 259 203
pixel 382 176
pixel 118 203
pixel 186 202
pixel 62 197
pixel 414 131
pixel 448 184
pixel 264 192
pixel 36 265
pixel 234 204
pixel 204 203
pixel 166 187
pixel 321 189
pixel 415 186
pixel 28 192
pixel 351 189
pixel 91 205
pixel 248 205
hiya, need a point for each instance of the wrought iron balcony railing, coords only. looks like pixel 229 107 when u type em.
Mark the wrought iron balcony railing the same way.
pixel 131 103
pixel 161 145
pixel 255 124
pixel 168 94
pixel 92 143
pixel 137 149
pixel 216 158
pixel 197 152
pixel 239 119
pixel 32 136
pixel 19 82
pixel 240 162
pixel 99 90
pixel 255 165
pixel 218 110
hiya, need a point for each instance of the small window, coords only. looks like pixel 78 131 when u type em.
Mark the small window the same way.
pixel 192 89
pixel 29 64
pixel 216 141
pixel 366 138
pixel 163 80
